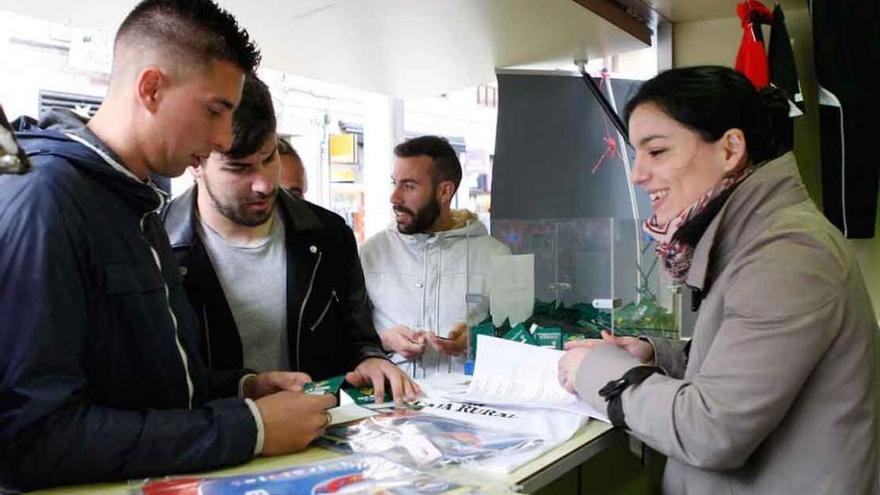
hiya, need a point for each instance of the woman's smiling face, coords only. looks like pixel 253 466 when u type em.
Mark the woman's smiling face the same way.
pixel 675 165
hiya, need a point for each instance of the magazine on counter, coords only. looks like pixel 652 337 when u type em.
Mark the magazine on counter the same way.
pixel 361 475
pixel 423 439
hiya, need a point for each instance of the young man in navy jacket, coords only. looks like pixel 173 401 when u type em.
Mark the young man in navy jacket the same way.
pixel 100 376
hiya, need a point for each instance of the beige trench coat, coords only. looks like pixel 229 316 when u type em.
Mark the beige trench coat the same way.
pixel 779 392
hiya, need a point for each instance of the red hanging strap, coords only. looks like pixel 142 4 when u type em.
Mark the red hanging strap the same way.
pixel 751 59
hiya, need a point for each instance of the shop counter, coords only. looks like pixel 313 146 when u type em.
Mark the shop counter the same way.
pixel 590 440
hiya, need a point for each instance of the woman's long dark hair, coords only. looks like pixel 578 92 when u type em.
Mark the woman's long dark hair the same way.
pixel 711 99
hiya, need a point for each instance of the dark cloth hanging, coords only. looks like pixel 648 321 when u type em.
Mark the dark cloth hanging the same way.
pixel 783 73
pixel 780 56
pixel 845 44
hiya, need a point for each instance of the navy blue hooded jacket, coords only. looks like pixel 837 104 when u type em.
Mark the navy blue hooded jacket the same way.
pixel 99 373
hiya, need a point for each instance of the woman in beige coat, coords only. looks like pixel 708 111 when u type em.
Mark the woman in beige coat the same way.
pixel 777 392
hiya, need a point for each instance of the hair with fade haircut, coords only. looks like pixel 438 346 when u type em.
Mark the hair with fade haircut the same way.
pixel 285 148
pixel 444 158
pixel 193 32
pixel 254 120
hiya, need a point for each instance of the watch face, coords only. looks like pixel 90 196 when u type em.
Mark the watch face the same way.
pixel 12 158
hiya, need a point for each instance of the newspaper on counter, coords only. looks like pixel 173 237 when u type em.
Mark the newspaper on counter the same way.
pixel 427 440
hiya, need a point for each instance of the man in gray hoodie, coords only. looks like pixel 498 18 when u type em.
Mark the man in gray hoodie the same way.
pixel 421 270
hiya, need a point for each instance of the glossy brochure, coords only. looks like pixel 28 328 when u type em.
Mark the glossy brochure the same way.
pixel 360 475
pixel 426 440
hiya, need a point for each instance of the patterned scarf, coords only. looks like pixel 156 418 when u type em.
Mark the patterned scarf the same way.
pixel 676 240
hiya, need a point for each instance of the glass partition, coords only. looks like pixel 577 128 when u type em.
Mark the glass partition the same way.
pixel 593 274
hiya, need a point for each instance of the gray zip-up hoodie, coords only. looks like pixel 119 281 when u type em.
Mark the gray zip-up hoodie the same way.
pixel 422 280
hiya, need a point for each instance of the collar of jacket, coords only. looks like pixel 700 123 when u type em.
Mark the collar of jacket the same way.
pixel 474 228
pixel 140 196
pixel 180 217
pixel 774 185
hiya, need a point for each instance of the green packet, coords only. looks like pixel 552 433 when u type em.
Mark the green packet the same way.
pixel 329 386
pixel 520 334
pixel 365 396
pixel 481 329
pixel 549 337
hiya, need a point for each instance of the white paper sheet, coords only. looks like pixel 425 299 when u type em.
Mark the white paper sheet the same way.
pixel 511 373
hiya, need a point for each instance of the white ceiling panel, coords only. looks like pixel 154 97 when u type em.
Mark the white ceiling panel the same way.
pixel 405 48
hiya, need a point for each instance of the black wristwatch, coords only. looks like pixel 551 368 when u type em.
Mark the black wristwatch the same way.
pixel 612 390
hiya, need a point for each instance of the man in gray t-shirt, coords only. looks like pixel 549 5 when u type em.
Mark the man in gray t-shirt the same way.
pixel 253 275
pixel 276 281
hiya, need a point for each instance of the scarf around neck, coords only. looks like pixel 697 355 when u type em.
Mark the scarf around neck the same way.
pixel 675 241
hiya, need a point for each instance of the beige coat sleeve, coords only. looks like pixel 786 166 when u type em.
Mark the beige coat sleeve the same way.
pixel 781 310
pixel 670 356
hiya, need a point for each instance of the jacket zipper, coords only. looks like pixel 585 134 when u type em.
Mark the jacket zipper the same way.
pixel 326 309
pixel 424 302
pixel 302 309
pixel 183 359
pixel 118 167
pixel 208 338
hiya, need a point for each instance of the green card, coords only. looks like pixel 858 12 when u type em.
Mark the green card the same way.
pixel 364 396
pixel 329 386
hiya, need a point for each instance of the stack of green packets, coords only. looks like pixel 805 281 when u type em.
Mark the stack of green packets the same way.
pixel 646 317
pixel 552 337
pixel 551 324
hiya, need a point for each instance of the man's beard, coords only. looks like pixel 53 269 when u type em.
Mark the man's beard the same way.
pixel 239 214
pixel 422 220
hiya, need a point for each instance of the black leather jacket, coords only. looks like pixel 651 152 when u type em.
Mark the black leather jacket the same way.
pixel 329 321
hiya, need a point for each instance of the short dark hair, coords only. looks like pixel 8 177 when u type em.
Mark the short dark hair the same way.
pixel 285 148
pixel 196 31
pixel 710 100
pixel 445 159
pixel 254 119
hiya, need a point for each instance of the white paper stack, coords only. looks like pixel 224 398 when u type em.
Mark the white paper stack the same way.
pixel 516 374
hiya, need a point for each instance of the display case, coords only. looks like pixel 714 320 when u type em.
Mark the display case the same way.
pixel 595 273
